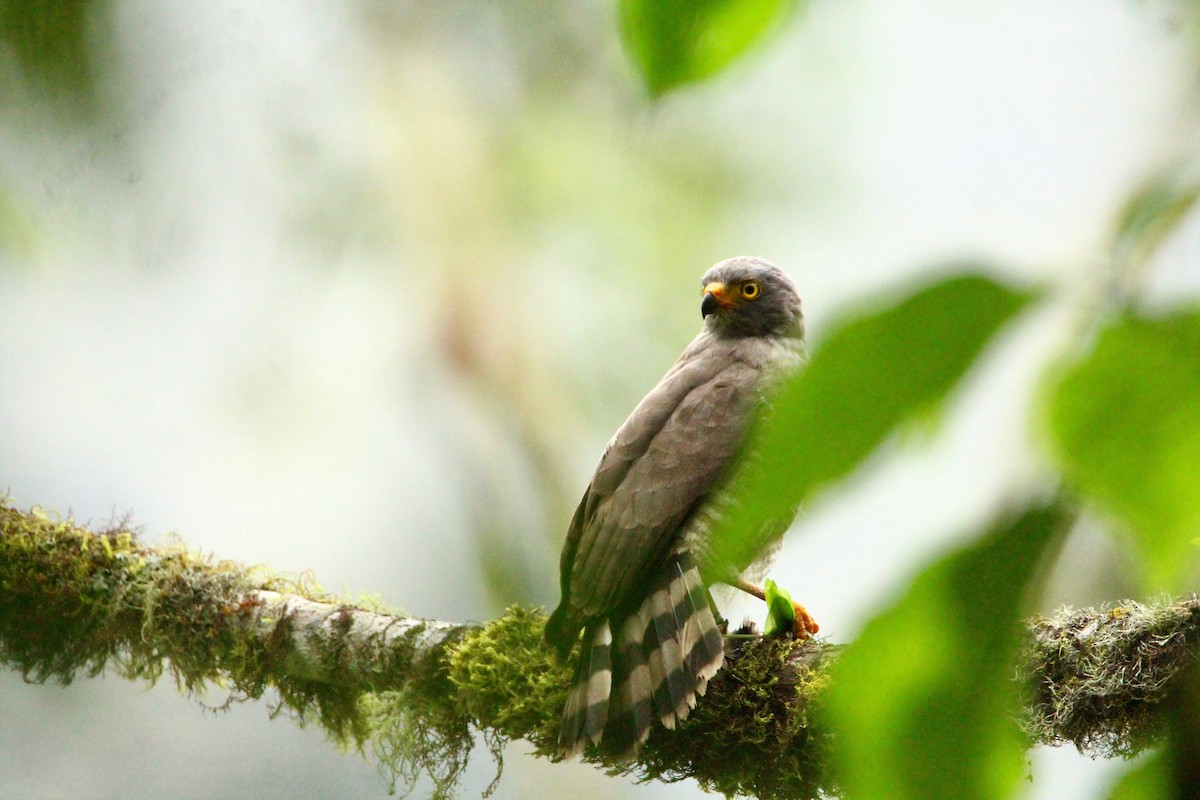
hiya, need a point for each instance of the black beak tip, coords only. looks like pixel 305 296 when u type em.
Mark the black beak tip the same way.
pixel 709 304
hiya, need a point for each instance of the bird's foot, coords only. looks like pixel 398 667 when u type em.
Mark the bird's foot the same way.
pixel 805 627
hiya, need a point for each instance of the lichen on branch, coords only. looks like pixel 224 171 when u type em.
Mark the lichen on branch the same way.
pixel 1097 677
pixel 416 692
pixel 74 601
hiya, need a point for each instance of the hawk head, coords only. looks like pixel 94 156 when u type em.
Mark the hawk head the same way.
pixel 748 296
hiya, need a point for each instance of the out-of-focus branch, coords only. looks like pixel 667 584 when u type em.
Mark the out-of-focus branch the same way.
pixel 1097 677
pixel 73 601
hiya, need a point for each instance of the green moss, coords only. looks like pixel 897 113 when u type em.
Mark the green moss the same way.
pixel 751 733
pixel 420 728
pixel 73 602
pixel 78 602
pixel 417 731
pixel 510 681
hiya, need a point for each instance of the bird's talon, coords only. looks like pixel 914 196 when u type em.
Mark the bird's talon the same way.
pixel 806 627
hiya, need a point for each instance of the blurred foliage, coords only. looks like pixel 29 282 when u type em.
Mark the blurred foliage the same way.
pixel 50 42
pixel 1124 425
pixel 18 231
pixel 889 364
pixel 675 42
pixel 922 703
pixel 1182 751
pixel 1149 779
pixel 1151 214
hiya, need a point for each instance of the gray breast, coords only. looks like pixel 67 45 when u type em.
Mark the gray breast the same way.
pixel 723 561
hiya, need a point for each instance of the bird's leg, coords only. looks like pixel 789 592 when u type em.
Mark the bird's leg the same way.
pixel 806 626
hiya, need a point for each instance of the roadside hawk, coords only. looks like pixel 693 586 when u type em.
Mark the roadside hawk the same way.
pixel 638 558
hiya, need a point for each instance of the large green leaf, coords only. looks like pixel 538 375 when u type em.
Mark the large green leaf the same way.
pixel 1124 425
pixel 923 704
pixel 678 41
pixel 881 368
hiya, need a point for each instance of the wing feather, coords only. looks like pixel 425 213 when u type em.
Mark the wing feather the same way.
pixel 669 454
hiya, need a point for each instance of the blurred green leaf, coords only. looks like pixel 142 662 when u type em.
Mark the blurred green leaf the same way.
pixel 49 41
pixel 1181 755
pixel 1124 426
pixel 676 42
pixel 1150 779
pixel 781 611
pixel 923 704
pixel 878 370
pixel 17 229
pixel 1152 213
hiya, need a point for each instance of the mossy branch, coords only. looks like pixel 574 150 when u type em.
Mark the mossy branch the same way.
pixel 75 601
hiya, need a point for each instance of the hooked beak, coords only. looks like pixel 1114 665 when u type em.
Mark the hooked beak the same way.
pixel 715 297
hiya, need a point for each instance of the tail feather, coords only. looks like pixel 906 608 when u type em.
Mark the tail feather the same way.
pixel 660 687
pixel 631 705
pixel 687 630
pixel 636 665
pixel 586 711
pixel 599 683
pixel 672 690
pixel 706 649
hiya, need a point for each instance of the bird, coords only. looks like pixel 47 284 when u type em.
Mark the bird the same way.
pixel 638 559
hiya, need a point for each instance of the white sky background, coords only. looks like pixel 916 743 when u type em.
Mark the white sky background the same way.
pixel 237 322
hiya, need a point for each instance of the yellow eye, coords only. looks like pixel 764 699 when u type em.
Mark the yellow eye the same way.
pixel 750 290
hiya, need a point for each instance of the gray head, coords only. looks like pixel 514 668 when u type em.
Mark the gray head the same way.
pixel 749 296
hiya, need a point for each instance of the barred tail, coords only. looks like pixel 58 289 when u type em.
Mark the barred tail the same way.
pixel 651 663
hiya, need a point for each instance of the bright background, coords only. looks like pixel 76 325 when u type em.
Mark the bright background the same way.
pixel 363 288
